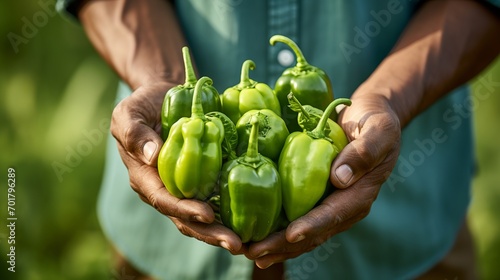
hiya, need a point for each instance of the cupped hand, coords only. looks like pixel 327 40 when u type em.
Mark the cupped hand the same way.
pixel 357 173
pixel 136 125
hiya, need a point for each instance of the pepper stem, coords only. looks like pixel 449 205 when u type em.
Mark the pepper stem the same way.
pixel 319 131
pixel 296 106
pixel 196 106
pixel 244 79
pixel 188 68
pixel 252 154
pixel 301 61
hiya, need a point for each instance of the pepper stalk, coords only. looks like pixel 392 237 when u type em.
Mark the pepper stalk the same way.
pixel 252 155
pixel 245 80
pixel 319 131
pixel 302 63
pixel 196 107
pixel 188 68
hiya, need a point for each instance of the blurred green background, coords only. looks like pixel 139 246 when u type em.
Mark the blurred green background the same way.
pixel 57 94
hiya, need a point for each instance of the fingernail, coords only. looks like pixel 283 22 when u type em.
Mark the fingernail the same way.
pixel 263 254
pixel 344 173
pixel 198 218
pixel 149 149
pixel 267 266
pixel 300 237
pixel 224 245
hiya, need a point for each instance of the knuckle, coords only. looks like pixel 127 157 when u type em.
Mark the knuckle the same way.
pixel 317 241
pixel 362 211
pixel 339 218
pixel 135 179
pixel 122 128
pixel 115 118
pixel 128 140
pixel 182 228
pixel 153 201
pixel 157 204
pixel 136 188
pixel 367 155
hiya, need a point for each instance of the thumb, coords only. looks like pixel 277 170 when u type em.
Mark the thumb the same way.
pixel 134 131
pixel 356 159
pixel 378 139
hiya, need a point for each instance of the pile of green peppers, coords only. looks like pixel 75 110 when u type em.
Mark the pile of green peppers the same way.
pixel 260 156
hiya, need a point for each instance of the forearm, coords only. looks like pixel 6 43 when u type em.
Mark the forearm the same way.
pixel 446 44
pixel 141 40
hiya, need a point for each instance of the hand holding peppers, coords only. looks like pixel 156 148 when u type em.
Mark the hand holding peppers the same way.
pixel 135 125
pixel 322 148
pixel 358 173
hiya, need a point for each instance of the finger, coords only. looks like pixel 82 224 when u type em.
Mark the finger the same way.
pixel 275 249
pixel 215 234
pixel 337 213
pixel 268 260
pixel 343 208
pixel 378 136
pixel 276 243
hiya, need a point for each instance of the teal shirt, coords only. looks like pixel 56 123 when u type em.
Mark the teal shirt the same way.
pixel 419 210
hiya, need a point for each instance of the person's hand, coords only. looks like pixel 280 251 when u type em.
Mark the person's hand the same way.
pixel 357 173
pixel 136 125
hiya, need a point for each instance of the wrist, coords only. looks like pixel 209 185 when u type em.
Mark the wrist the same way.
pixel 147 76
pixel 153 88
pixel 140 51
pixel 391 95
pixel 381 99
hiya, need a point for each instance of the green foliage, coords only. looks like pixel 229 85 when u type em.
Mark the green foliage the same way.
pixel 55 92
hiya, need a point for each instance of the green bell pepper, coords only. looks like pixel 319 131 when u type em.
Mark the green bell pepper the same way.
pixel 190 159
pixel 272 133
pixel 250 193
pixel 308 83
pixel 304 166
pixel 248 95
pixel 178 100
pixel 308 118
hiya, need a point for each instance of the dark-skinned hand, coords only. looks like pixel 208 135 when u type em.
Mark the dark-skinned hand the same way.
pixel 136 126
pixel 357 173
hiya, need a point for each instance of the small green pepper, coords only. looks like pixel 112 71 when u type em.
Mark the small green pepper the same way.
pixel 272 133
pixel 250 193
pixel 304 166
pixel 248 95
pixel 178 100
pixel 191 157
pixel 308 83
pixel 308 118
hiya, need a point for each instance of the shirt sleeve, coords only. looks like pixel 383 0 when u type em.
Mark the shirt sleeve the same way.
pixel 68 8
